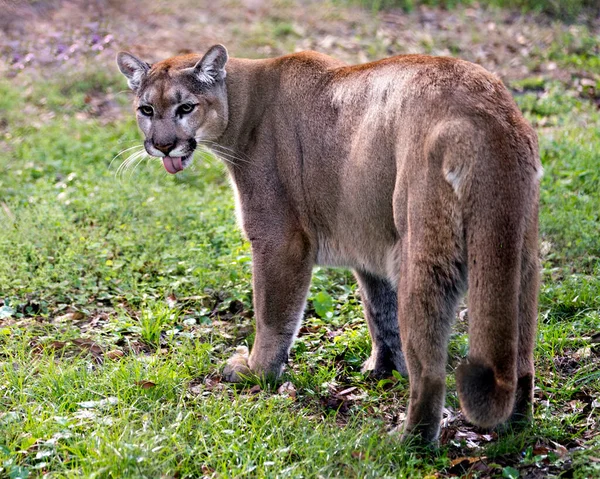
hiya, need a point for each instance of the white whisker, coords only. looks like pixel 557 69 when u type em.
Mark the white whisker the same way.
pixel 223 156
pixel 214 145
pixel 129 162
pixel 124 151
pixel 230 155
pixel 138 163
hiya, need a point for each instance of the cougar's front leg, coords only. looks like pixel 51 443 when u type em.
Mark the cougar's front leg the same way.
pixel 282 266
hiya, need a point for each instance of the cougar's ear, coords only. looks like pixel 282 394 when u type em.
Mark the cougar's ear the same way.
pixel 211 68
pixel 133 68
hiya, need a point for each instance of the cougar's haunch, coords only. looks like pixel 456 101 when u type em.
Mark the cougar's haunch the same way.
pixel 417 172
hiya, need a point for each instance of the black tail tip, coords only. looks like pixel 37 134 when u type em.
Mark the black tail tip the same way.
pixel 484 401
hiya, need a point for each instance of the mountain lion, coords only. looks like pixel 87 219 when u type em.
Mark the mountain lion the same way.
pixel 417 172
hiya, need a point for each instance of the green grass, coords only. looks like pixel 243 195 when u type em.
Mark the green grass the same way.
pixel 559 8
pixel 122 297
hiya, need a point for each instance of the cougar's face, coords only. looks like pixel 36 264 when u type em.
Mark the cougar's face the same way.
pixel 179 102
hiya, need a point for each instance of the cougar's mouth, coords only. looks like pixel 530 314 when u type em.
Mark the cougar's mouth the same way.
pixel 175 164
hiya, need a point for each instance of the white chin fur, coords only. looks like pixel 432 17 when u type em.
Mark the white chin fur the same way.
pixel 187 160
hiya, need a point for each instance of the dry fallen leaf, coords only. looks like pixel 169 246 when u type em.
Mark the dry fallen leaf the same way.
pixel 56 345
pixel 560 449
pixel 72 316
pixel 89 346
pixel 171 301
pixel 213 383
pixel 467 459
pixel 115 354
pixel 207 470
pixel 254 389
pixel 145 384
pixel 347 391
pixel 358 455
pixel 287 389
pixel 540 450
pixel 196 389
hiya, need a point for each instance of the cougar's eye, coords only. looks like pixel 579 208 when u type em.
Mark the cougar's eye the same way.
pixel 185 108
pixel 146 110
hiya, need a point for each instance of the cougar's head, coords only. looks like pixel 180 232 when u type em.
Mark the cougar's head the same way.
pixel 179 102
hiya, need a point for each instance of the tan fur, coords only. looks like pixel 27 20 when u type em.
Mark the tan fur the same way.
pixel 418 172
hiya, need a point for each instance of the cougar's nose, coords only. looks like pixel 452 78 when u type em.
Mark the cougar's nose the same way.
pixel 165 148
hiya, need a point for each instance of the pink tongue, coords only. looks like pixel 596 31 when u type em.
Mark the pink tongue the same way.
pixel 172 164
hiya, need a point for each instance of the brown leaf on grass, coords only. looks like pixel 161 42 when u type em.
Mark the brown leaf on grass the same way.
pixel 311 329
pixel 467 466
pixel 171 301
pixel 347 391
pixel 145 384
pixel 115 354
pixel 466 459
pixel 207 470
pixel 89 346
pixel 360 455
pixel 287 389
pixel 195 387
pixel 200 386
pixel 56 345
pixel 334 403
pixel 134 347
pixel 98 319
pixel 213 383
pixel 560 449
pixel 254 389
pixel 72 316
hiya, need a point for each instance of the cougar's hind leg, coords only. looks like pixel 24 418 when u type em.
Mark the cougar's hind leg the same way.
pixel 380 304
pixel 427 304
pixel 281 277
pixel 432 277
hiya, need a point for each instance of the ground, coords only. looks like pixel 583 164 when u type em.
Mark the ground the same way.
pixel 123 289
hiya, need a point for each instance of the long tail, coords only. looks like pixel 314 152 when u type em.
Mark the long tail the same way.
pixel 495 216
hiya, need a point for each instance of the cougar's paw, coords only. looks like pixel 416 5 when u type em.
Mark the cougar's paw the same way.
pixel 376 373
pixel 236 369
pixel 382 369
pixel 368 365
pixel 417 437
